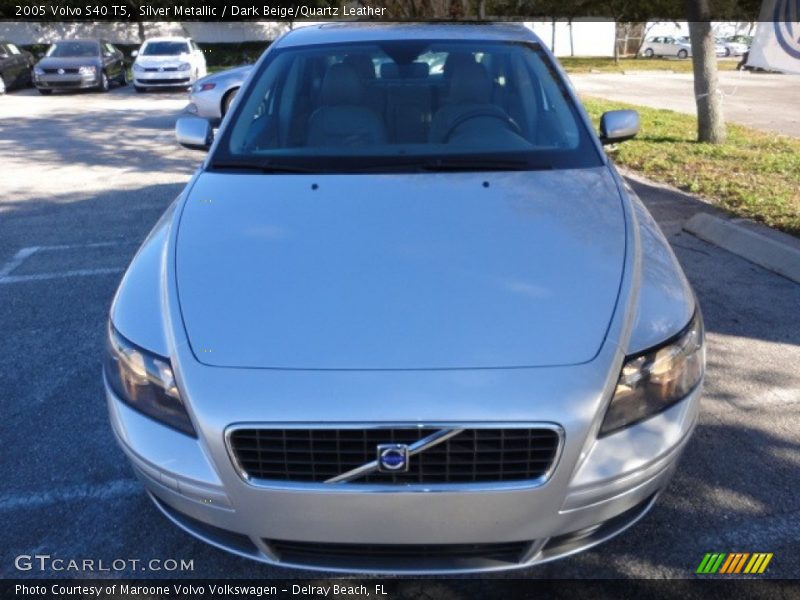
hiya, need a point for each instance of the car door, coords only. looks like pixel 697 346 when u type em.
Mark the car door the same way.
pixel 658 46
pixel 109 60
pixel 119 58
pixel 20 62
pixel 9 66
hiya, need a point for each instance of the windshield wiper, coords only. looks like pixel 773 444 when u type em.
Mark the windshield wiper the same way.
pixel 481 164
pixel 265 166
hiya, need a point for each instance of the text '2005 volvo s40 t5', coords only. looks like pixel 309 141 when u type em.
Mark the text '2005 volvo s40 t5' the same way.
pixel 406 317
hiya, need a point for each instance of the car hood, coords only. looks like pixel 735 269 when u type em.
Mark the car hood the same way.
pixel 422 271
pixel 52 62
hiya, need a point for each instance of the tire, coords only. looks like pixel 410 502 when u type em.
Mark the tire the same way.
pixel 683 53
pixel 105 84
pixel 123 79
pixel 44 92
pixel 139 89
pixel 227 100
pixel 649 53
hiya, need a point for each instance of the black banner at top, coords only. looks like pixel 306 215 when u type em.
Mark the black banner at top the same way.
pixel 383 10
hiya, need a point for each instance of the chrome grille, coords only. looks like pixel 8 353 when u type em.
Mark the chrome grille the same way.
pixel 475 455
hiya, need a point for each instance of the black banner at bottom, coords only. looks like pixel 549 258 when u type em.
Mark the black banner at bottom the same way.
pixel 396 589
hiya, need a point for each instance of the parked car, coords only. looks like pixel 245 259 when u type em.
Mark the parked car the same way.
pixel 680 47
pixel 211 96
pixel 404 322
pixel 15 67
pixel 167 62
pixel 80 64
pixel 734 45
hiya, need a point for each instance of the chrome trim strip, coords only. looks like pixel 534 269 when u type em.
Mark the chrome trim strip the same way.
pixel 419 446
pixel 384 488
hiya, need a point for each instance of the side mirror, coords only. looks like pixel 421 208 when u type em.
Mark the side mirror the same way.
pixel 134 53
pixel 618 126
pixel 193 133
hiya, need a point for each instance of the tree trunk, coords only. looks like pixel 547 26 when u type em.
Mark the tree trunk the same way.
pixel 553 37
pixel 710 123
pixel 571 39
pixel 616 43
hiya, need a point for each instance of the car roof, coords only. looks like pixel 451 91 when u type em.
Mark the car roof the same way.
pixel 327 33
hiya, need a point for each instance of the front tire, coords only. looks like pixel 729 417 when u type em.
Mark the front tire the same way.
pixel 649 53
pixel 105 84
pixel 44 92
pixel 682 54
pixel 139 89
pixel 227 101
pixel 123 78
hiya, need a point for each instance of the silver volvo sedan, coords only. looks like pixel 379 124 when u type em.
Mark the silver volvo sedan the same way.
pixel 405 318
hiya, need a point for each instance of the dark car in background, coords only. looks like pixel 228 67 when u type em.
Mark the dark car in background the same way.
pixel 15 67
pixel 80 64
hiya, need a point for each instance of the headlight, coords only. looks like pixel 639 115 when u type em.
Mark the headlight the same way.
pixel 145 382
pixel 654 380
pixel 88 71
pixel 137 67
pixel 204 87
pixel 38 71
pixel 184 67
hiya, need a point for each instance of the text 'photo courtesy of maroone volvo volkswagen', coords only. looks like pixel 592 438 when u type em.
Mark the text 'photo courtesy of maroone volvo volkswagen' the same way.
pixel 403 318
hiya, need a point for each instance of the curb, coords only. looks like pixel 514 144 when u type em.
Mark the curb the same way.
pixel 770 249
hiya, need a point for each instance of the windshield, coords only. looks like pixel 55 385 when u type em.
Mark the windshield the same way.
pixel 406 105
pixel 63 49
pixel 165 49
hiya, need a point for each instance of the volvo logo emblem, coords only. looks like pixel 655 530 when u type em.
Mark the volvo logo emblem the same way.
pixel 61 71
pixel 392 458
pixel 161 69
pixel 786 21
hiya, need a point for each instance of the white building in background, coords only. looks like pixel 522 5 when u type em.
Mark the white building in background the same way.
pixel 580 38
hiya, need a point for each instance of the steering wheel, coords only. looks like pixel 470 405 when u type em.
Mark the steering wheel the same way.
pixel 490 112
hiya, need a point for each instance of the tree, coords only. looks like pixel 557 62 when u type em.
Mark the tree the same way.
pixel 710 123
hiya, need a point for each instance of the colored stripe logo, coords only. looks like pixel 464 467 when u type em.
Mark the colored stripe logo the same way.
pixel 734 563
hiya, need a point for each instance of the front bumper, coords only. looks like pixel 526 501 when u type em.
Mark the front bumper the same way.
pixel 162 79
pixel 612 486
pixel 65 82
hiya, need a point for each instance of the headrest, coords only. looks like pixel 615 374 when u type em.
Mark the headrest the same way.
pixel 362 64
pixel 341 85
pixel 390 71
pixel 416 70
pixel 471 85
pixel 454 61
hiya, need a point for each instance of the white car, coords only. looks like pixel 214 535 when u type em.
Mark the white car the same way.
pixel 734 46
pixel 167 62
pixel 680 47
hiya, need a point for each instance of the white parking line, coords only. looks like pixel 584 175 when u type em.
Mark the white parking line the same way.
pixel 61 275
pixel 107 491
pixel 25 253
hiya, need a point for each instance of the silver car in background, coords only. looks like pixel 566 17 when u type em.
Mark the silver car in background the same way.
pixel 211 97
pixel 405 318
pixel 679 47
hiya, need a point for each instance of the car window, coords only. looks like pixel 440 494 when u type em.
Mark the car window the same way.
pixel 388 105
pixel 165 48
pixel 76 49
pixel 110 48
pixel 13 49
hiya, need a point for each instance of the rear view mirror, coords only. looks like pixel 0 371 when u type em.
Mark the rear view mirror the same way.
pixel 193 133
pixel 618 126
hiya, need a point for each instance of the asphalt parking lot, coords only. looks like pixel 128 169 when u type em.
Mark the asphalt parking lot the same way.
pixel 85 176
pixel 761 100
